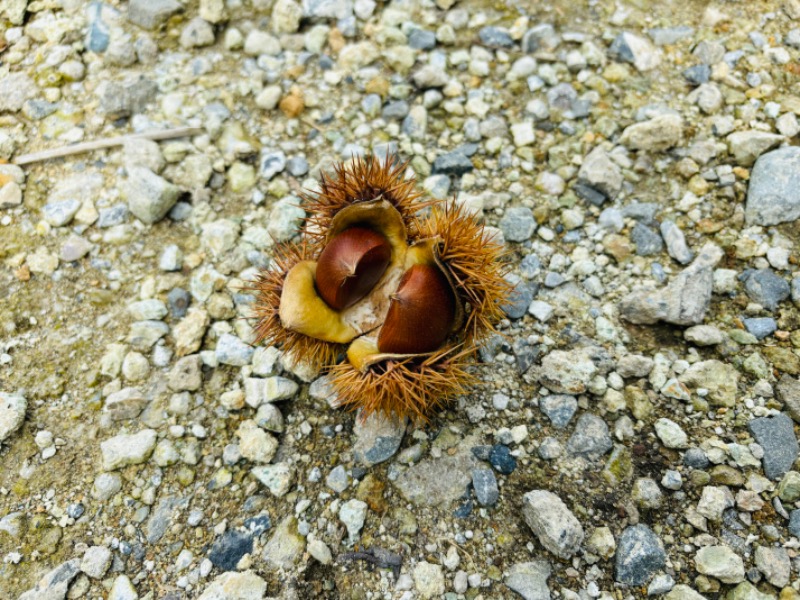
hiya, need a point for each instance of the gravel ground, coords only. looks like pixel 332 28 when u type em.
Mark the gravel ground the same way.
pixel 635 433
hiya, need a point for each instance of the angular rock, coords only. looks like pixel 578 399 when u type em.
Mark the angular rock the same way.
pixel 601 173
pixel 127 449
pixel 720 379
pixel 15 90
pixel 236 586
pixel 149 196
pixel 773 193
pixel 638 51
pixel 529 579
pixel 747 146
pixel 659 133
pixel 285 546
pixel 591 437
pixel 152 14
pixel 552 522
pixel 721 563
pixel 54 585
pixel 377 438
pixel 12 413
pixel 437 481
pixel 228 549
pixel 640 555
pixel 776 436
pixel 684 301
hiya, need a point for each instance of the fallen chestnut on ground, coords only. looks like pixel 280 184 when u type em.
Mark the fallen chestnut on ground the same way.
pixel 393 302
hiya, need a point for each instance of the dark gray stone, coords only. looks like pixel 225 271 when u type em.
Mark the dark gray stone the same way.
pixel 228 549
pixel 761 327
pixel 765 287
pixel 497 37
pixel 648 242
pixel 113 215
pixel 55 583
pixel 529 580
pixel 485 484
pixel 591 437
pixel 788 389
pixel 794 523
pixel 161 518
pixel 776 436
pixel 517 224
pixel 519 300
pixel 421 39
pixel 452 163
pixel 773 194
pixel 696 459
pixel 697 75
pixel 640 555
pixel 378 438
pixel 559 408
pixel 395 110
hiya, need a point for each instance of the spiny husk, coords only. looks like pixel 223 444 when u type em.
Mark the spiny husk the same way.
pixel 413 387
pixel 476 264
pixel 361 180
pixel 268 286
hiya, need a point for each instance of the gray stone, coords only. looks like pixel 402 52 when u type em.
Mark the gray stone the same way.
pixel 186 374
pixel 720 379
pixel 430 76
pixel 648 242
pixel 125 404
pixel 285 219
pixel 496 37
pixel 122 99
pixel 127 449
pixel 352 514
pixel 421 39
pixel 721 563
pixel 559 408
pixel 152 14
pixel 377 438
pixel 601 173
pixel 143 335
pixel 161 518
pixel 704 335
pixel 452 163
pixel 775 564
pixel 15 90
pixel 112 216
pixel 338 479
pixel 776 436
pixel 437 481
pixel 552 522
pixel 232 351
pixel 286 545
pixel 12 414
pixel 631 48
pixel 567 371
pixel 517 224
pixel 106 485
pixel 676 242
pixel 591 437
pixel 197 33
pixel 684 301
pixel 54 585
pixel 96 561
pixel 788 390
pixel 760 327
pixel 659 133
pixel 766 288
pixel 542 36
pixel 74 248
pixel 671 434
pixel 122 589
pixel 327 9
pixel 529 579
pixel 640 555
pixel 277 478
pixel 747 146
pixel 485 484
pixel 235 586
pixel 271 164
pixel 149 196
pixel 61 213
pixel 429 580
pixel 773 194
pixel 794 523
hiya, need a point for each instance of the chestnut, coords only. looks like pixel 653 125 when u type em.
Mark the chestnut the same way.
pixel 421 313
pixel 350 266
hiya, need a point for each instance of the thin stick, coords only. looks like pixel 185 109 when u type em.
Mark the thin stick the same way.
pixel 102 143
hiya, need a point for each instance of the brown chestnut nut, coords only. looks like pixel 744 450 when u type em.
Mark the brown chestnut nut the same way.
pixel 350 266
pixel 421 313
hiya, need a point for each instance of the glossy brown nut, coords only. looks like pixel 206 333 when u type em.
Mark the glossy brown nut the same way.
pixel 350 266
pixel 421 313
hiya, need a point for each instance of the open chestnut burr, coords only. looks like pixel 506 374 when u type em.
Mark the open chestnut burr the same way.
pixel 404 298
